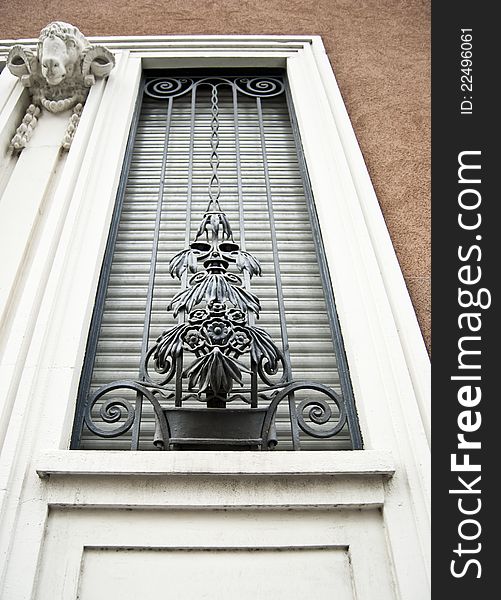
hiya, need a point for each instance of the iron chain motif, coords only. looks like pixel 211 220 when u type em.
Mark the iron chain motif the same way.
pixel 216 312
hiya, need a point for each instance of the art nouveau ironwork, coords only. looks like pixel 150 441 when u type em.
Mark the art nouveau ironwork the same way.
pixel 215 356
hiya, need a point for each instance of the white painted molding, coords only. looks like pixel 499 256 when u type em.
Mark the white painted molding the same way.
pixel 13 102
pixel 7 85
pixel 25 302
pixel 413 346
pixel 211 491
pixel 22 204
pixel 384 392
pixel 72 536
pixel 81 462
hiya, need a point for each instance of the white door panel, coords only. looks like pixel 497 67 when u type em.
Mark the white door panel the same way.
pixel 215 555
pixel 246 574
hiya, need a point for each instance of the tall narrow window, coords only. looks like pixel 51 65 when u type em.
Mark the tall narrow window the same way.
pixel 215 325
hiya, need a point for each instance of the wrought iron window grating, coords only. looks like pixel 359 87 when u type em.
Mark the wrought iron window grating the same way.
pixel 214 379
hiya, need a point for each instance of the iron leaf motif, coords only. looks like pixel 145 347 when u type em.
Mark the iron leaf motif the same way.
pixel 215 371
pixel 182 261
pixel 214 287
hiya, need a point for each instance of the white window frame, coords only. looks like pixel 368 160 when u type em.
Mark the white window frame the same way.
pixel 388 362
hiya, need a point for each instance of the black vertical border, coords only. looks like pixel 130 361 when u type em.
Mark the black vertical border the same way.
pixel 453 133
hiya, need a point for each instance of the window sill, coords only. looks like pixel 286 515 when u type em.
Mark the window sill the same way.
pixel 81 462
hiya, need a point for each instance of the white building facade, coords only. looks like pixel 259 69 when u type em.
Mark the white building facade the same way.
pixel 94 524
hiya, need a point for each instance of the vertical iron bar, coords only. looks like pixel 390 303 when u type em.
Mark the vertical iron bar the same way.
pixel 151 280
pixel 214 184
pixel 187 236
pixel 241 214
pixel 278 281
pixel 239 179
pixel 97 313
pixel 335 327
pixel 156 235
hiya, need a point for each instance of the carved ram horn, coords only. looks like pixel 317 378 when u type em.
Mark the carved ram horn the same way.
pixel 22 62
pixel 63 53
pixel 98 61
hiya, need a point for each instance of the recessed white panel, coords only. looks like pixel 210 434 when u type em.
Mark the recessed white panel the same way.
pixel 246 574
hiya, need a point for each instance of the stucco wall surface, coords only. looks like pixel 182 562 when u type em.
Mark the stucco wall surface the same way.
pixel 380 52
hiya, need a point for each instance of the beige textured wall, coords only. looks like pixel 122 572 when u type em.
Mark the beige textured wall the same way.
pixel 380 52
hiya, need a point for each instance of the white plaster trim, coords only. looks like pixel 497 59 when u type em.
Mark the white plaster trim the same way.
pixel 384 393
pixel 71 533
pixel 76 462
pixel 215 492
pixel 7 84
pixel 23 205
pixel 191 41
pixel 13 101
pixel 33 418
pixel 413 345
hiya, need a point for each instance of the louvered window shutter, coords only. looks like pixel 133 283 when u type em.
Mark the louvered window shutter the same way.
pixel 265 194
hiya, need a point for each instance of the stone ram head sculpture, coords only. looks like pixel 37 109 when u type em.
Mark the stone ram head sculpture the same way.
pixel 58 76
